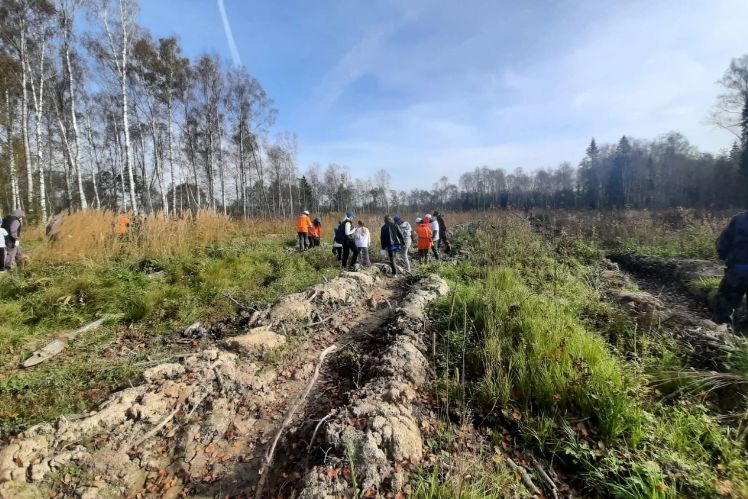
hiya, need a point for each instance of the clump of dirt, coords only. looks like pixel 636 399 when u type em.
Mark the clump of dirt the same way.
pixel 709 345
pixel 197 425
pixel 380 427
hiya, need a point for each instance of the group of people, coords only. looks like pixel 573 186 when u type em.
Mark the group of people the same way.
pixel 351 240
pixel 10 239
pixel 309 231
pixel 396 237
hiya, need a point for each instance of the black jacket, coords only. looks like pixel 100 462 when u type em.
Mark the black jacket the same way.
pixel 732 245
pixel 442 227
pixel 391 234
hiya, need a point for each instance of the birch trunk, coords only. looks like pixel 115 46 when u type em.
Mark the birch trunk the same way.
pixel 25 119
pixel 37 93
pixel 95 162
pixel 220 167
pixel 171 154
pixel 75 157
pixel 159 168
pixel 14 192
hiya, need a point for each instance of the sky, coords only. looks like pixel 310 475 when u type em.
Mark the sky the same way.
pixel 426 89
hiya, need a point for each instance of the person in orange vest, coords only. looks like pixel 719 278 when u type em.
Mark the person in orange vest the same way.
pixel 424 240
pixel 315 232
pixel 303 224
pixel 122 224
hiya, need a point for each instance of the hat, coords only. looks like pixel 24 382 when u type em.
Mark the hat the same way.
pixel 396 218
pixel 317 219
pixel 305 212
pixel 419 220
pixel 350 214
pixel 427 216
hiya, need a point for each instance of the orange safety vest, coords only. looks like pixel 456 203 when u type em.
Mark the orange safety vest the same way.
pixel 424 236
pixel 315 230
pixel 122 224
pixel 303 223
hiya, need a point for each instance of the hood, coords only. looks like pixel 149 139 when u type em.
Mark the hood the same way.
pixel 18 213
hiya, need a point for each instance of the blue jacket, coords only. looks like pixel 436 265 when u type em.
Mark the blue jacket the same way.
pixel 732 245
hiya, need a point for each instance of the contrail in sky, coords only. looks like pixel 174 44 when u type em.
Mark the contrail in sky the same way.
pixel 229 36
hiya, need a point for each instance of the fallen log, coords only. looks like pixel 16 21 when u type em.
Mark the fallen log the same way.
pixel 58 345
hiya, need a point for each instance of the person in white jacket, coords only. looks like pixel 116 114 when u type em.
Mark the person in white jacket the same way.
pixel 362 237
pixel 434 226
pixel 406 230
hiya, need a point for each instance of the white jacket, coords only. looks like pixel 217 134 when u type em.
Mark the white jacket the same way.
pixel 362 237
pixel 434 225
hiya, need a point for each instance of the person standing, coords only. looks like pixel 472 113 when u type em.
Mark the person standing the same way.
pixel 3 235
pixel 434 226
pixel 349 245
pixel 315 232
pixel 391 240
pixel 406 231
pixel 338 238
pixel 424 240
pixel 12 225
pixel 732 248
pixel 303 224
pixel 363 240
pixel 443 241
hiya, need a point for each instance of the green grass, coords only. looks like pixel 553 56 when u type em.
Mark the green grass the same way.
pixel 147 310
pixel 528 343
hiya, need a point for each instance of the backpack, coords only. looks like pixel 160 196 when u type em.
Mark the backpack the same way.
pixel 340 233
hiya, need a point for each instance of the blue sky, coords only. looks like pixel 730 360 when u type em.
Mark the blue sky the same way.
pixel 425 89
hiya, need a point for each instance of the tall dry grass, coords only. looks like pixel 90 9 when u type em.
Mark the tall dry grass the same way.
pixel 91 235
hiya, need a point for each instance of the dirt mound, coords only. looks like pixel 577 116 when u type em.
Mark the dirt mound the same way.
pixel 192 423
pixel 380 428
pixel 709 344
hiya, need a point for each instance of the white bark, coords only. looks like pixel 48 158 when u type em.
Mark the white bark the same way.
pixel 120 60
pixel 37 93
pixel 94 157
pixel 171 153
pixel 15 195
pixel 25 118
pixel 75 157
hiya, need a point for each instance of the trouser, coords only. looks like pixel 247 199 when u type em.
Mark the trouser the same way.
pixel 338 252
pixel 391 254
pixel 733 287
pixel 363 253
pixel 13 254
pixel 445 243
pixel 435 249
pixel 404 257
pixel 2 257
pixel 423 255
pixel 349 248
pixel 313 241
pixel 303 241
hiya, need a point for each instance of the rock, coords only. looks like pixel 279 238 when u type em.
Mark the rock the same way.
pixel 194 330
pixel 163 371
pixel 294 307
pixel 259 340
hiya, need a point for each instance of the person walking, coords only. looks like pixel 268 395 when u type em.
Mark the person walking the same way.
pixel 13 224
pixel 391 240
pixel 303 224
pixel 406 231
pixel 434 226
pixel 424 240
pixel 3 235
pixel 362 237
pixel 732 248
pixel 338 238
pixel 443 241
pixel 315 232
pixel 349 245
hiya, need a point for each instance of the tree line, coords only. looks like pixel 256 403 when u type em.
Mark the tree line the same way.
pixel 96 112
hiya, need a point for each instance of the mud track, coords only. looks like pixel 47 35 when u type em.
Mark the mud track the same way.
pixel 204 426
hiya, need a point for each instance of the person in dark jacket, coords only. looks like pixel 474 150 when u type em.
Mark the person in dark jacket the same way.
pixel 732 248
pixel 391 239
pixel 12 224
pixel 443 241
